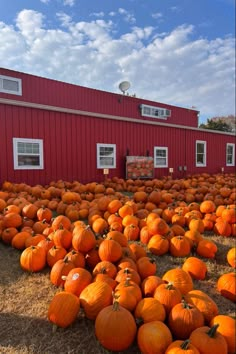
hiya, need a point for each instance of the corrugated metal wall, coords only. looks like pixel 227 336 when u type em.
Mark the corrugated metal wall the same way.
pixel 55 93
pixel 70 145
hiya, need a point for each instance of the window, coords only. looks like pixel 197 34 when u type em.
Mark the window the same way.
pixel 160 157
pixel 230 151
pixel 10 85
pixel 106 156
pixel 200 153
pixel 28 154
pixel 154 112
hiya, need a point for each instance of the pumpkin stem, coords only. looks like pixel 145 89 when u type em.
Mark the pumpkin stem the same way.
pixel 115 306
pixel 212 331
pixel 139 321
pixel 185 344
pixel 127 282
pixel 127 271
pixel 169 286
pixel 103 270
pixel 185 304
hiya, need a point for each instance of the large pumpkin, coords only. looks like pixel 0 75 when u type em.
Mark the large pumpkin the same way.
pixel 115 328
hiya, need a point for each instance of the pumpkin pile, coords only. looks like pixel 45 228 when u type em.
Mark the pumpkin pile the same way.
pixel 101 243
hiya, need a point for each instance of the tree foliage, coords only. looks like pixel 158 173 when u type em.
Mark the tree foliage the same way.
pixel 218 124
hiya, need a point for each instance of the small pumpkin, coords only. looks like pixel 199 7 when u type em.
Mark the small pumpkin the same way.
pixel 179 246
pixel 195 267
pixel 33 259
pixel 59 270
pixel 227 327
pixel 158 245
pixel 231 257
pixel 180 279
pixel 203 302
pixel 149 309
pixel 168 295
pixel 183 319
pixel 63 309
pixel 226 285
pixel 110 250
pixel 146 266
pixel 76 280
pixel 153 337
pixel 95 297
pixel 182 347
pixel 128 294
pixel 150 284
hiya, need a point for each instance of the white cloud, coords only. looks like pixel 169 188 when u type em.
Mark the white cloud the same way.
pixel 45 1
pixel 69 2
pixel 164 67
pixel 64 19
pixel 97 14
pixel 157 15
pixel 128 17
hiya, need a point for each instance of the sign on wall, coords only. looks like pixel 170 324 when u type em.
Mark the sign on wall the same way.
pixel 139 167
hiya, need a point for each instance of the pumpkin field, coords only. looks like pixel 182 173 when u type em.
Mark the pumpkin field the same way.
pixel 120 266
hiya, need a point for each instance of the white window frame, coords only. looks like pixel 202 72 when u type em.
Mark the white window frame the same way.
pixel 233 154
pixel 199 164
pixel 10 78
pixel 99 164
pixel 16 153
pixel 156 148
pixel 154 112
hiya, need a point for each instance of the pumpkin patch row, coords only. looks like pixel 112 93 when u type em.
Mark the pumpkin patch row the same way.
pixel 102 247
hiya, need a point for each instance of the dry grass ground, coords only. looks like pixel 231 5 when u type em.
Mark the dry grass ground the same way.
pixel 24 301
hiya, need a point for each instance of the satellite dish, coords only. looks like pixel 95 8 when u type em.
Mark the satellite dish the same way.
pixel 124 86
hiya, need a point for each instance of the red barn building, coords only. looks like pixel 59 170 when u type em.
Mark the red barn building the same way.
pixel 51 130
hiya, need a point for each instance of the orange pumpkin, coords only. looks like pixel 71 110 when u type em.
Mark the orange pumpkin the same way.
pixel 63 309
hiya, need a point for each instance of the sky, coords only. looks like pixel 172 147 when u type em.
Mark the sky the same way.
pixel 179 52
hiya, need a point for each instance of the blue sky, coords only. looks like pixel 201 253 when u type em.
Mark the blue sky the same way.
pixel 180 52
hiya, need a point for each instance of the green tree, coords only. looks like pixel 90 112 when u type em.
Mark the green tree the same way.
pixel 216 125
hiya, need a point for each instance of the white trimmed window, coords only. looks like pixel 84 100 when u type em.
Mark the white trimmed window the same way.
pixel 28 154
pixel 106 156
pixel 160 156
pixel 10 85
pixel 200 153
pixel 154 112
pixel 230 154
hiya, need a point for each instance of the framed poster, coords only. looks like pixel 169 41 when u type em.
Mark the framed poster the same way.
pixel 138 167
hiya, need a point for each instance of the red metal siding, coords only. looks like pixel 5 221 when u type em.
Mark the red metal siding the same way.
pixel 54 93
pixel 70 145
